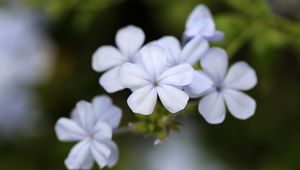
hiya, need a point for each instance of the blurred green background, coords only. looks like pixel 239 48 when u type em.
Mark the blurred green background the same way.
pixel 264 33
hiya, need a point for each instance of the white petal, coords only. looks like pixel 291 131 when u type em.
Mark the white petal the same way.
pixel 179 75
pixel 200 22
pixel 172 98
pixel 218 36
pixel 129 40
pixel 68 130
pixel 106 111
pixel 84 115
pixel 101 153
pixel 172 46
pixel 112 116
pixel 212 108
pixel 215 64
pixel 110 81
pixel 239 104
pixel 201 83
pixel 101 103
pixel 80 156
pixel 107 57
pixel 194 50
pixel 154 60
pixel 114 156
pixel 143 100
pixel 133 76
pixel 240 76
pixel 102 130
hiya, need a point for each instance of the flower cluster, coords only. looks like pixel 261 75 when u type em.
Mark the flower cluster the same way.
pixel 91 124
pixel 163 70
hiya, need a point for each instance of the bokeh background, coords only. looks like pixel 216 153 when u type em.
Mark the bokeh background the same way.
pixel 62 36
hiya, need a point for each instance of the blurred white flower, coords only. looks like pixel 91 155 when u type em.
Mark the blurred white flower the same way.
pixel 25 60
pixel 201 23
pixel 108 58
pixel 191 53
pixel 227 88
pixel 25 53
pixel 182 151
pixel 152 77
pixel 92 125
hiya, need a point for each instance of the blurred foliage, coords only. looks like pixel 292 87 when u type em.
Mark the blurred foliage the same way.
pixel 253 32
pixel 83 11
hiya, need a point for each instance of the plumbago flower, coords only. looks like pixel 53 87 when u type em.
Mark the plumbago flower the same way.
pixel 152 77
pixel 91 124
pixel 227 88
pixel 191 53
pixel 129 40
pixel 201 23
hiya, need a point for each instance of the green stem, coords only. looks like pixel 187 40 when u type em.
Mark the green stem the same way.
pixel 124 130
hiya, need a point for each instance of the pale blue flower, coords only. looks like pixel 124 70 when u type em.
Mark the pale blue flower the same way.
pixel 227 88
pixel 108 58
pixel 151 78
pixel 190 53
pixel 92 125
pixel 201 23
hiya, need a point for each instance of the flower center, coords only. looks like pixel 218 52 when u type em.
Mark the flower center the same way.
pixel 155 83
pixel 219 88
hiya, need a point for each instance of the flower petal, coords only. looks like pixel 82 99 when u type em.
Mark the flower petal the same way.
pixel 68 130
pixel 143 100
pixel 129 40
pixel 241 77
pixel 107 57
pixel 134 77
pixel 106 111
pixel 179 75
pixel 110 81
pixel 102 130
pixel 80 156
pixel 200 22
pixel 101 103
pixel 172 47
pixel 101 153
pixel 212 108
pixel 215 64
pixel 194 50
pixel 154 60
pixel 217 37
pixel 201 83
pixel 172 98
pixel 239 104
pixel 114 156
pixel 83 114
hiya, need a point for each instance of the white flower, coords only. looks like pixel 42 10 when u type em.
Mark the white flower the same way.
pixel 201 23
pixel 92 125
pixel 152 77
pixel 227 88
pixel 129 40
pixel 191 53
pixel 25 52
